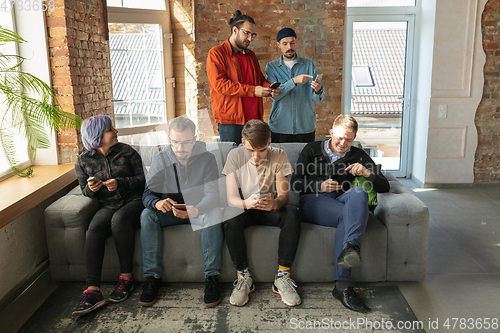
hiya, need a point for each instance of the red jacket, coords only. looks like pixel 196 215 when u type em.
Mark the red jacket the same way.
pixel 224 77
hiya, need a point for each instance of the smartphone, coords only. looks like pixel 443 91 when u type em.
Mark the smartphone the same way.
pixel 319 77
pixel 92 180
pixel 180 206
pixel 275 85
pixel 263 194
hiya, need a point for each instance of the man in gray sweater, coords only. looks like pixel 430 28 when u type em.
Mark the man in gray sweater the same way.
pixel 181 188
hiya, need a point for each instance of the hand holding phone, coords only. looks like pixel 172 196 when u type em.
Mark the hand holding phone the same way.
pixel 275 85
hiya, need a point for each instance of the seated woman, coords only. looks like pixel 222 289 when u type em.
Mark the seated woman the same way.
pixel 112 173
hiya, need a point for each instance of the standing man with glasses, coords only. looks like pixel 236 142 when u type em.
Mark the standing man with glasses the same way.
pixel 184 173
pixel 237 84
pixel 293 118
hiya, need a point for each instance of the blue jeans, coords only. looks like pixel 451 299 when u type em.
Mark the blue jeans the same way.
pixel 348 212
pixel 212 240
pixel 230 132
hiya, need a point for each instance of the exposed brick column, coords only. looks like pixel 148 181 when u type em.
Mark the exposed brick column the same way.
pixel 487 159
pixel 80 65
pixel 320 29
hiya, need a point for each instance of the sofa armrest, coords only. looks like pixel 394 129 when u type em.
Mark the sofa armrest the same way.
pixel 66 223
pixel 407 222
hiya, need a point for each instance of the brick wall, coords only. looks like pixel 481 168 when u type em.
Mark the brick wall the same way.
pixel 487 159
pixel 319 26
pixel 80 66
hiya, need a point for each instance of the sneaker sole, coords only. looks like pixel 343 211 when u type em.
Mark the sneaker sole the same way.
pixel 153 301
pixel 83 312
pixel 276 291
pixel 349 261
pixel 211 305
pixel 114 300
pixel 246 301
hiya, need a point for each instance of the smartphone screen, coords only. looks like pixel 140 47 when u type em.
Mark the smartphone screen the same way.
pixel 180 206
pixel 275 85
pixel 319 77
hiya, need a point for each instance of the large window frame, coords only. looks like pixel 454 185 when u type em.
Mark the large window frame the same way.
pixel 150 16
pixel 385 14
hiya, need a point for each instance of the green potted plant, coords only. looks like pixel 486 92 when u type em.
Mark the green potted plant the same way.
pixel 20 113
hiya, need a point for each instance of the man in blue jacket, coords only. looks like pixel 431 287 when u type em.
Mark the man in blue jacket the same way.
pixel 184 173
pixel 293 118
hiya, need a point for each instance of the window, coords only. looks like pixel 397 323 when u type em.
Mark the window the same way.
pixel 145 4
pixel 362 76
pixel 381 3
pixel 20 144
pixel 140 42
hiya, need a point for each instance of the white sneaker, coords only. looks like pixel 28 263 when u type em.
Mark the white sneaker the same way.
pixel 243 286
pixel 285 287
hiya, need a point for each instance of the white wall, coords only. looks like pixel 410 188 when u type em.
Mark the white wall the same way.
pixel 425 49
pixel 23 246
pixel 457 81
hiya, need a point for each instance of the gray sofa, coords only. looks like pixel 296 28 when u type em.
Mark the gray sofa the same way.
pixel 394 247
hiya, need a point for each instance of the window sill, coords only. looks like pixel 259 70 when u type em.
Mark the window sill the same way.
pixel 22 194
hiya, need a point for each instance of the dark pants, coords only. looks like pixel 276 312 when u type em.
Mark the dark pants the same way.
pixel 348 212
pixel 287 218
pixel 230 132
pixel 120 223
pixel 283 138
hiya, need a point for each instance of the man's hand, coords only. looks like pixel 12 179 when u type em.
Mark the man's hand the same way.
pixel 358 169
pixel 260 91
pixel 111 184
pixel 316 85
pixel 330 185
pixel 275 92
pixel 185 214
pixel 165 205
pixel 303 79
pixel 95 186
pixel 251 202
pixel 266 203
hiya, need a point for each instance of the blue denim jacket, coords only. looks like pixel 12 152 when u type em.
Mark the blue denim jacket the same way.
pixel 293 109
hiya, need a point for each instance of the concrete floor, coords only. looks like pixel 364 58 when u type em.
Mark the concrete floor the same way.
pixel 463 267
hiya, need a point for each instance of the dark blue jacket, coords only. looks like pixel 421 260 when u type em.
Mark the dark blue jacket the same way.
pixel 197 180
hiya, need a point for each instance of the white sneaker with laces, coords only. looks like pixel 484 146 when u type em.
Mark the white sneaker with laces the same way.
pixel 285 287
pixel 243 286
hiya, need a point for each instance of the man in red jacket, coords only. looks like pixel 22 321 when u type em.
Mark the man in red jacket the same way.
pixel 237 84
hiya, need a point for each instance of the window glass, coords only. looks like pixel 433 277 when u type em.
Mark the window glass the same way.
pixel 381 3
pixel 142 4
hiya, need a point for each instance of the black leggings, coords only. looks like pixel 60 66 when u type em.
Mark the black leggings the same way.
pixel 120 223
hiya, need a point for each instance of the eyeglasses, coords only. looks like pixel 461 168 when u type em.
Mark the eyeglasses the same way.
pixel 248 33
pixel 183 143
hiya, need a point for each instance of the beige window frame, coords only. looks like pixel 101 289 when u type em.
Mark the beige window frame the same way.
pixel 149 16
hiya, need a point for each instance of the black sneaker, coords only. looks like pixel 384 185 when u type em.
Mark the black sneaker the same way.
pixel 149 291
pixel 350 300
pixel 212 292
pixel 122 290
pixel 91 300
pixel 350 256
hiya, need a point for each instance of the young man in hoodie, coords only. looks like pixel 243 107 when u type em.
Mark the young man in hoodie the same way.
pixel 184 173
pixel 323 176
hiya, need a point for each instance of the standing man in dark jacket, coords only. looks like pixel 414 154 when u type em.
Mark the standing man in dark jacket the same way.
pixel 323 177
pixel 237 84
pixel 184 173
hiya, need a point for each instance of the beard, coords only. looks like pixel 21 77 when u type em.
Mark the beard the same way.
pixel 242 44
pixel 290 55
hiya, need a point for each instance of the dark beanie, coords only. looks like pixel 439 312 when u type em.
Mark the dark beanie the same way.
pixel 286 32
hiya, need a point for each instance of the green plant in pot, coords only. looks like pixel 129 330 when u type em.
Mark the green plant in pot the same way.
pixel 21 113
